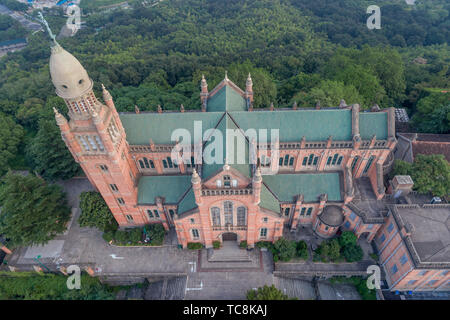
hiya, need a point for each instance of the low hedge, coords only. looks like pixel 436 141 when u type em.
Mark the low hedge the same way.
pixel 194 246
pixel 216 244
pixel 150 235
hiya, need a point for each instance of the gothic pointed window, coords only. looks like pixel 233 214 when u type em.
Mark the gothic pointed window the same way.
pixel 308 213
pixel 99 143
pixel 141 163
pixel 315 160
pixel 335 159
pixel 286 160
pixel 92 143
pixel 305 160
pixel 165 164
pixel 241 216
pixel 339 160
pixel 228 212
pixel 355 160
pixel 215 216
pixel 147 165
pixel 195 234
pixel 291 161
pixel 152 165
pixel 84 143
pixel 329 160
pixel 369 164
pixel 310 159
pixel 281 161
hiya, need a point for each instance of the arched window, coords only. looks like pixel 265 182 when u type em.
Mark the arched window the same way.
pixel 228 212
pixel 152 165
pixel 305 160
pixel 308 213
pixel 355 161
pixel 287 211
pixel 335 159
pixel 315 160
pixel 169 162
pixel 339 160
pixel 171 212
pixel 141 163
pixel 369 163
pixel 286 160
pixel 146 163
pixel 310 160
pixel 329 160
pixel 291 161
pixel 281 161
pixel 156 213
pixel 150 213
pixel 215 216
pixel 195 234
pixel 165 164
pixel 241 216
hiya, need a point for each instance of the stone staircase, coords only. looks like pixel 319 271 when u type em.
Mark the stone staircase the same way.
pixel 229 252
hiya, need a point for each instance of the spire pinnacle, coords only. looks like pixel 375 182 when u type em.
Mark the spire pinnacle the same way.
pixel 226 75
pixel 106 95
pixel 45 23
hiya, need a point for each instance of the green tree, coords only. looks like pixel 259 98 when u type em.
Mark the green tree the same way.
pixel 302 250
pixel 266 293
pixel 285 249
pixel 33 212
pixel 329 93
pixel 95 212
pixel 49 155
pixel 352 253
pixel 431 173
pixel 347 238
pixel 11 135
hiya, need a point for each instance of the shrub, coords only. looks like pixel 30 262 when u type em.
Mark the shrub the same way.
pixel 243 244
pixel 266 293
pixel 216 244
pixel 108 236
pixel 121 237
pixel 194 245
pixel 302 250
pixel 264 244
pixel 156 233
pixel 353 253
pixel 329 250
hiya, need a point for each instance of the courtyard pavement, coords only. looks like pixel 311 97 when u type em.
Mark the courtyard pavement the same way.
pixel 86 247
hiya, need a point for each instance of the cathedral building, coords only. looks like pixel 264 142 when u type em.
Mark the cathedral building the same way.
pixel 324 164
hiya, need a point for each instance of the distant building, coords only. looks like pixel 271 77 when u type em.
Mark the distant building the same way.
pixel 411 144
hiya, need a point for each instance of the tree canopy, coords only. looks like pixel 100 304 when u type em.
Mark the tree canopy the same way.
pixel 95 212
pixel 33 212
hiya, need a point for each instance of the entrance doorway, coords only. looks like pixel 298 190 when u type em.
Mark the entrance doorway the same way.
pixel 229 236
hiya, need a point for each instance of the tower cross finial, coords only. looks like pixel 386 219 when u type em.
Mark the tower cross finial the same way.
pixel 45 23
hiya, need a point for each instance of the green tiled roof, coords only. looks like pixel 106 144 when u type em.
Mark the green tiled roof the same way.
pixel 172 188
pixel 187 203
pixel 310 185
pixel 230 150
pixel 371 123
pixel 159 126
pixel 226 99
pixel 315 125
pixel 268 200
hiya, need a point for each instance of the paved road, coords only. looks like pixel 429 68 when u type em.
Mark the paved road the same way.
pixel 33 26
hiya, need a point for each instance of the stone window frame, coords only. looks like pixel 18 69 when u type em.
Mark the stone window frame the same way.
pixel 195 234
pixel 263 233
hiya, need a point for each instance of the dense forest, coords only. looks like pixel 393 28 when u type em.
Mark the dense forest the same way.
pixel 296 50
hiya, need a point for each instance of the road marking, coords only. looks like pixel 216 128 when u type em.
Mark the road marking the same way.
pixel 115 257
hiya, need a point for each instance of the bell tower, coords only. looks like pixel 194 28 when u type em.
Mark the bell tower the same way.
pixel 96 138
